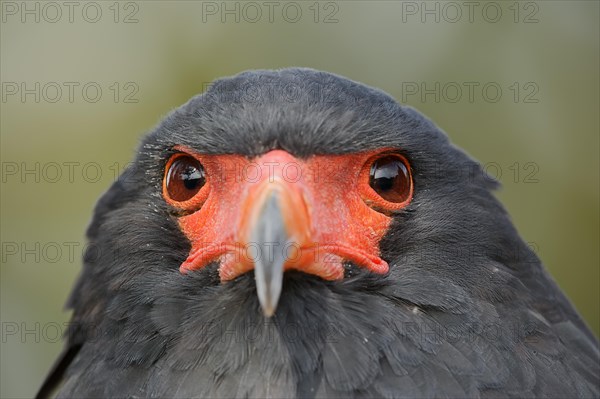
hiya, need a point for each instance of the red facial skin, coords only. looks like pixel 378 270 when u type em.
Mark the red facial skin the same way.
pixel 327 203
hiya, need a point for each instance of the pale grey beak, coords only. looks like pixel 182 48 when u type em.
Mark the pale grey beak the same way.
pixel 270 237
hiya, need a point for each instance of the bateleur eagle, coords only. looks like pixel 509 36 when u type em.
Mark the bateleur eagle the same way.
pixel 293 233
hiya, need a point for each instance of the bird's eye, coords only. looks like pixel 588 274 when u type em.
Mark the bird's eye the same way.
pixel 185 176
pixel 390 178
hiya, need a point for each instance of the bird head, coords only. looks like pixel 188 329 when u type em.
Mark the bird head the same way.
pixel 270 172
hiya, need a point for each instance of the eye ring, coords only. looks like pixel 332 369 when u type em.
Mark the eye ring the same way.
pixel 386 182
pixel 185 182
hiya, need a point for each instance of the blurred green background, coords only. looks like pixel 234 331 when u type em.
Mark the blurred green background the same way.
pixel 61 150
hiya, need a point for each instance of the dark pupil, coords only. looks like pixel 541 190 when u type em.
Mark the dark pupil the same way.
pixel 383 180
pixel 191 177
pixel 389 178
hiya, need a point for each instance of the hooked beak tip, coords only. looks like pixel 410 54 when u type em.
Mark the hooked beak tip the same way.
pixel 268 292
pixel 268 310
